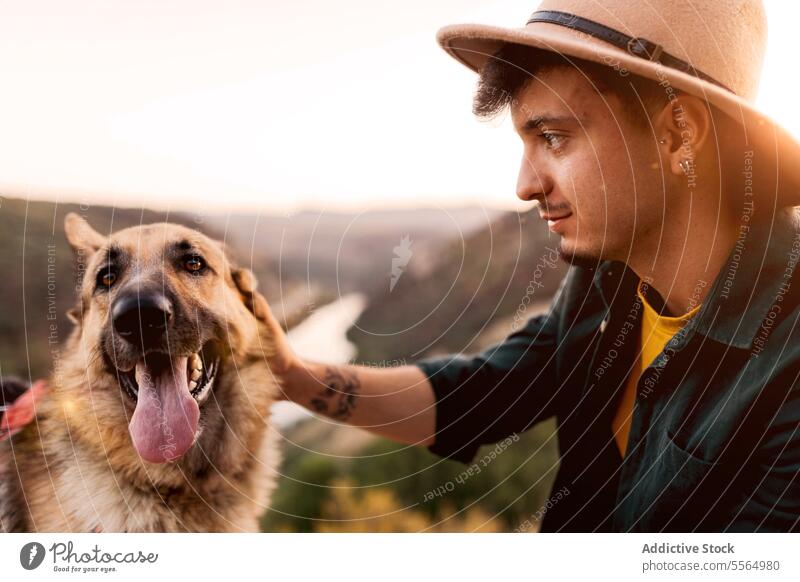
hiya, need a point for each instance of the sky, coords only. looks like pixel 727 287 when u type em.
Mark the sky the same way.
pixel 268 106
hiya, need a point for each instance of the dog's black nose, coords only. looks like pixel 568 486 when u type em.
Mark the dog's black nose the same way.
pixel 141 318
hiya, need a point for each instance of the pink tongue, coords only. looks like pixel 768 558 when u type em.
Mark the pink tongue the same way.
pixel 164 423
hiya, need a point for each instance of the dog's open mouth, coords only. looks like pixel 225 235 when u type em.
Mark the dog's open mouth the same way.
pixel 201 371
pixel 168 390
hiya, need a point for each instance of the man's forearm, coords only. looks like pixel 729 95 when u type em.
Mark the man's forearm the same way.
pixel 397 403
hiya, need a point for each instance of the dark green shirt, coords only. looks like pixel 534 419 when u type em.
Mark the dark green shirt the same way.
pixel 715 435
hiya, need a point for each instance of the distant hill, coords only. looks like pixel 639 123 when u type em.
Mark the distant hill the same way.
pixel 301 260
pixel 449 295
pixel 347 252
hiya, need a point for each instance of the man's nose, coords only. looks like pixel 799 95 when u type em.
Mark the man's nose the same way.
pixel 533 182
pixel 141 318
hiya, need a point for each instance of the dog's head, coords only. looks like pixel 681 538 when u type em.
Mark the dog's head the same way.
pixel 165 312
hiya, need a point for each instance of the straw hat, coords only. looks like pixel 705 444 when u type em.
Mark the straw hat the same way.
pixel 709 48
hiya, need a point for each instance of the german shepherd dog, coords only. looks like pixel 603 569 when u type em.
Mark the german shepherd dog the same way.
pixel 156 420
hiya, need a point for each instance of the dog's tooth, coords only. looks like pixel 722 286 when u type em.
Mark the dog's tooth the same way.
pixel 197 362
pixel 192 385
pixel 196 374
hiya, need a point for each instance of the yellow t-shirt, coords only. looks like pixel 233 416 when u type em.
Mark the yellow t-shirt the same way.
pixel 656 331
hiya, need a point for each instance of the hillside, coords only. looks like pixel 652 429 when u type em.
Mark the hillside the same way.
pixel 302 261
pixel 338 478
pixel 450 295
pixel 458 295
pixel 347 252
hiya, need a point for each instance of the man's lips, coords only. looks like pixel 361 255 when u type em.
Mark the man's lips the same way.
pixel 553 221
pixel 549 217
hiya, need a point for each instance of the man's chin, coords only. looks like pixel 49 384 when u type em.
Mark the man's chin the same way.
pixel 577 257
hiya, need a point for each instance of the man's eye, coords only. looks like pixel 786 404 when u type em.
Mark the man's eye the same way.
pixel 554 141
pixel 194 264
pixel 106 278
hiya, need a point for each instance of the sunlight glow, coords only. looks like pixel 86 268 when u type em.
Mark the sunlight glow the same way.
pixel 257 105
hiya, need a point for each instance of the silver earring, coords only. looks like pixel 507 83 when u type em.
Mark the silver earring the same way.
pixel 684 164
pixel 662 141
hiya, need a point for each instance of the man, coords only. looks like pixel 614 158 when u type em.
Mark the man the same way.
pixel 669 356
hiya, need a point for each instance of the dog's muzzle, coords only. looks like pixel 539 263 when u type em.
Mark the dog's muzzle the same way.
pixel 167 384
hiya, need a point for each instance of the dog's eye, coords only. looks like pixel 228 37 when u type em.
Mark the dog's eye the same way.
pixel 106 278
pixel 194 264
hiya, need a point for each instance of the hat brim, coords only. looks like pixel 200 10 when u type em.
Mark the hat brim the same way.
pixel 778 151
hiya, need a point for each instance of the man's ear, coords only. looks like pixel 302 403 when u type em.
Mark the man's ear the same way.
pixel 82 237
pixel 682 127
pixel 246 283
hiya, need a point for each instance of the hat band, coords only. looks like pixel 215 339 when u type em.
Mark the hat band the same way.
pixel 636 46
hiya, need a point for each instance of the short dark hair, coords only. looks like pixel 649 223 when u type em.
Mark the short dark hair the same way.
pixel 507 72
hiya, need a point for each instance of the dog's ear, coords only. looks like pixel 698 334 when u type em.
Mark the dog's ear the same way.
pixel 82 237
pixel 246 283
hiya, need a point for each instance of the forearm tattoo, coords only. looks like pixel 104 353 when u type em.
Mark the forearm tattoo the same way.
pixel 338 398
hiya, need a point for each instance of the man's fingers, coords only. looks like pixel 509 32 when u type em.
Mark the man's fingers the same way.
pixel 283 357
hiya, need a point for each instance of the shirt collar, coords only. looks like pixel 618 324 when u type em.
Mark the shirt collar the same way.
pixel 756 275
pixel 663 323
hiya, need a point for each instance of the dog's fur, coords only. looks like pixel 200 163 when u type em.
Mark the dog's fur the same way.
pixel 75 467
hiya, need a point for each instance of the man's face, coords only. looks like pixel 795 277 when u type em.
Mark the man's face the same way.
pixel 595 174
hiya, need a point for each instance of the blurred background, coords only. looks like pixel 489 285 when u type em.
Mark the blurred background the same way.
pixel 331 145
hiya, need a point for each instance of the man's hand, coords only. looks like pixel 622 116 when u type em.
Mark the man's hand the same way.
pixel 394 402
pixel 282 359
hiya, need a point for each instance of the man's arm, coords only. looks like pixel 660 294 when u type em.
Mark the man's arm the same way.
pixel 397 403
pixel 452 404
